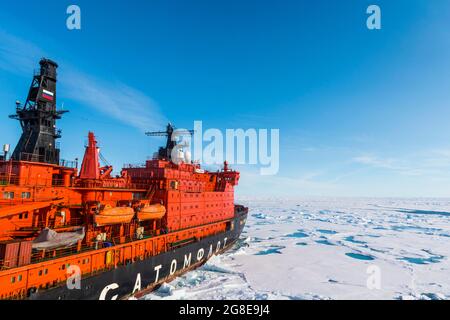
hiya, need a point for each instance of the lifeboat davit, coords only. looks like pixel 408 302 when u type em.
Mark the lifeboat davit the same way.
pixel 117 215
pixel 151 212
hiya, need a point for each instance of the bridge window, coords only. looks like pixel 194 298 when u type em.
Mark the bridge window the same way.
pixel 13 279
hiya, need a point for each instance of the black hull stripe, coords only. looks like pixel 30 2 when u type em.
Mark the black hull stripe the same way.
pixel 143 276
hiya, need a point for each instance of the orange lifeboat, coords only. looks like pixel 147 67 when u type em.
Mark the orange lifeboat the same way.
pixel 110 215
pixel 151 212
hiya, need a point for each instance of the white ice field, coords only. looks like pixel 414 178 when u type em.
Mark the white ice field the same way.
pixel 330 249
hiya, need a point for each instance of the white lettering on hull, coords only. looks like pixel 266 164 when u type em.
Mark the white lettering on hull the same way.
pixel 210 253
pixel 218 247
pixel 112 286
pixel 173 268
pixel 157 268
pixel 200 254
pixel 187 260
pixel 137 285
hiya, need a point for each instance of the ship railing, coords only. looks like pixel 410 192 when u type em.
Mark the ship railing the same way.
pixel 68 163
pixel 11 179
pixel 73 223
pixel 6 264
pixel 110 184
pixel 40 256
pixel 6 180
pixel 31 157
pixel 140 186
pixel 133 166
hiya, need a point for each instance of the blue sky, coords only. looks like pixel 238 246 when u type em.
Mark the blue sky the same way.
pixel 360 113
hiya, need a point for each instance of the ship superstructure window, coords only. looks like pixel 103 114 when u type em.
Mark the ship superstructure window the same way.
pixel 8 195
pixel 26 195
pixel 137 196
pixel 173 184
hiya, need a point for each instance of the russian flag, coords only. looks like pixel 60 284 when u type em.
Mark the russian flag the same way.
pixel 47 95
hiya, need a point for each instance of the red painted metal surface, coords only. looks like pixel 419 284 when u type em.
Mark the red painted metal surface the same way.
pixel 25 253
pixel 9 253
pixel 90 169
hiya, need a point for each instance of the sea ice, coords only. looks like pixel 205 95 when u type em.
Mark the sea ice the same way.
pixel 344 244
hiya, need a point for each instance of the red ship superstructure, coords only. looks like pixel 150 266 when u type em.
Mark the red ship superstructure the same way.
pixel 86 234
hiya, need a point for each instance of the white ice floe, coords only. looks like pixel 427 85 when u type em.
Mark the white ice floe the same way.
pixel 330 249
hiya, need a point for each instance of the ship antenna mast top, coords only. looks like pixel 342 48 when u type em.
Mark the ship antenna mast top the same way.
pixel 38 118
pixel 166 153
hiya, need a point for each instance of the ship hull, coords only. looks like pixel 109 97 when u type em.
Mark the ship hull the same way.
pixel 141 277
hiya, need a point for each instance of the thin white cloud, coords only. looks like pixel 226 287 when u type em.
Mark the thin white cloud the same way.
pixel 307 184
pixel 115 99
pixel 17 55
pixel 394 165
pixel 424 164
pixel 375 162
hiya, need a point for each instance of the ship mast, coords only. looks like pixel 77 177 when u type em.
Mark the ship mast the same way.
pixel 38 118
pixel 166 153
